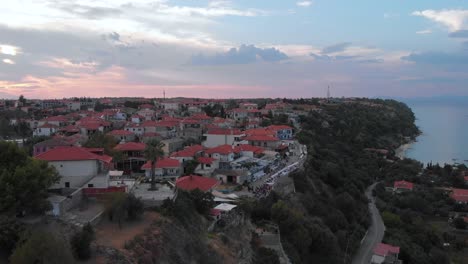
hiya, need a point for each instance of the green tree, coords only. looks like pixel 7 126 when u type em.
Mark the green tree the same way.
pixel 42 248
pixel 81 242
pixel 265 256
pixel 10 232
pixel 459 223
pixel 190 167
pixel 24 182
pixel 100 140
pixel 153 152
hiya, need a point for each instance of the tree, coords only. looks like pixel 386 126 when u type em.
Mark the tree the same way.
pixel 10 232
pixel 40 248
pixel 100 140
pixel 81 242
pixel 153 152
pixel 459 223
pixel 24 181
pixel 266 256
pixel 203 201
pixel 190 166
pixel 122 207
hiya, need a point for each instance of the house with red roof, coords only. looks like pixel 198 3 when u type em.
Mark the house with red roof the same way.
pixel 54 120
pixel 122 135
pixel 76 165
pixel 386 254
pixel 222 136
pixel 166 168
pixel 265 139
pixel 206 166
pixel 188 153
pixel 133 153
pixel 49 144
pixel 246 150
pixel 241 114
pixel 45 129
pixel 193 182
pixel 281 131
pixel 222 153
pixel 459 195
pixel 402 186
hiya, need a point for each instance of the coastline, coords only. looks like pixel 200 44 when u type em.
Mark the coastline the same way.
pixel 400 152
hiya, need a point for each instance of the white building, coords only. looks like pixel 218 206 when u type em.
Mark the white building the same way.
pixel 220 136
pixel 45 130
pixel 75 165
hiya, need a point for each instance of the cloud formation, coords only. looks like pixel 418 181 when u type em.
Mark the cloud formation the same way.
pixel 242 55
pixel 304 3
pixel 336 47
pixel 452 19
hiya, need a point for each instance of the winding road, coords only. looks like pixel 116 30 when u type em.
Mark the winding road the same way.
pixel 374 234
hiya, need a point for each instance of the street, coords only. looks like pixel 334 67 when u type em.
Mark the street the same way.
pixel 375 233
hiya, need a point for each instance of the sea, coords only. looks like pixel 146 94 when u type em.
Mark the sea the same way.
pixel 444 125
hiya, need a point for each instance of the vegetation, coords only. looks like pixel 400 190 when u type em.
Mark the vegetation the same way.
pixel 153 152
pixel 100 140
pixel 24 181
pixel 42 247
pixel 327 217
pixel 216 110
pixel 122 207
pixel 81 242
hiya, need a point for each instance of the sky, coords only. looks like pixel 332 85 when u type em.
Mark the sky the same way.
pixel 233 49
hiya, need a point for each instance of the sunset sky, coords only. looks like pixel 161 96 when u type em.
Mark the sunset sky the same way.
pixel 232 49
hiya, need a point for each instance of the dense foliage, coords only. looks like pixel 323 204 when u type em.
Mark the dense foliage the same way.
pixel 121 207
pixel 42 247
pixel 327 217
pixel 24 181
pixel 81 242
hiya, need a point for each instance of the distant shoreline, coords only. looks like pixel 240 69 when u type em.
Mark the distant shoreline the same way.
pixel 400 152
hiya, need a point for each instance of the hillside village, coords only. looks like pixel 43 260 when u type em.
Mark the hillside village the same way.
pixel 157 150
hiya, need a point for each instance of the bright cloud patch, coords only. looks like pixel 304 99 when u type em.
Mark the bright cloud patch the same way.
pixel 304 3
pixel 452 19
pixel 8 61
pixel 9 50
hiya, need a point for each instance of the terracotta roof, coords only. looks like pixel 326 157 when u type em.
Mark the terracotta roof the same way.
pixel 223 149
pixel 260 131
pixel 188 151
pixel 131 146
pixel 403 185
pixel 146 106
pixel 459 195
pixel 162 163
pixel 71 129
pixel 261 138
pixel 384 249
pixel 224 131
pixel 53 142
pixel 47 125
pixel 246 147
pixel 166 123
pixel 71 154
pixel 193 182
pixel 120 133
pixel 205 160
pixel 278 127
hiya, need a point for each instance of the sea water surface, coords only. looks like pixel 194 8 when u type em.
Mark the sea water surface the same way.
pixel 444 126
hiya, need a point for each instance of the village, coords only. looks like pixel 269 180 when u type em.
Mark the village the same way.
pixel 230 149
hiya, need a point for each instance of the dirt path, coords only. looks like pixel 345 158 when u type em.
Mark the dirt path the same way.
pixel 109 234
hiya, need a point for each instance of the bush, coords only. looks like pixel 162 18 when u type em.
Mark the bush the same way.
pixel 81 242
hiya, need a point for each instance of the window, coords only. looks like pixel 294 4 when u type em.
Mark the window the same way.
pixel 90 185
pixel 67 184
pixel 61 165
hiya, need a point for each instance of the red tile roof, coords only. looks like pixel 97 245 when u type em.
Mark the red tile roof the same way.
pixel 131 146
pixel 151 134
pixel 403 185
pixel 47 125
pixel 205 160
pixel 278 127
pixel 120 133
pixel 162 163
pixel 148 106
pixel 188 151
pixel 223 149
pixel 246 147
pixel 261 138
pixel 460 195
pixel 224 131
pixel 193 182
pixel 384 249
pixel 71 154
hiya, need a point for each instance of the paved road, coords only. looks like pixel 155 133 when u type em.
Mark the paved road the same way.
pixel 375 232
